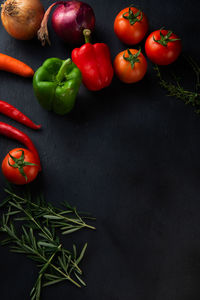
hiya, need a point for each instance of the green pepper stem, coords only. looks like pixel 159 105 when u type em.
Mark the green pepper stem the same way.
pixel 87 35
pixel 61 74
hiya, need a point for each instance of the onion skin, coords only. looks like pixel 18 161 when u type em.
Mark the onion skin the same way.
pixel 22 18
pixel 69 20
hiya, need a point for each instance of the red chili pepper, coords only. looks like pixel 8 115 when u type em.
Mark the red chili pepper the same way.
pixel 15 114
pixel 94 61
pixel 14 133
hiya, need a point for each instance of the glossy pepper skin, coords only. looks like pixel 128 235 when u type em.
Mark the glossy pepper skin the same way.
pixel 12 112
pixel 95 64
pixel 56 84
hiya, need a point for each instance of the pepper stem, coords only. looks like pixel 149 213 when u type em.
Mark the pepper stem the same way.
pixel 87 35
pixel 61 74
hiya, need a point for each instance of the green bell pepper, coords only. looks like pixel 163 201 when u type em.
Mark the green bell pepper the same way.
pixel 56 84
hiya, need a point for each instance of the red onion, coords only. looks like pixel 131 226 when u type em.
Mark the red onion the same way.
pixel 69 20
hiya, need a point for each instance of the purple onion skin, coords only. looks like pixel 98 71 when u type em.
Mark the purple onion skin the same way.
pixel 70 19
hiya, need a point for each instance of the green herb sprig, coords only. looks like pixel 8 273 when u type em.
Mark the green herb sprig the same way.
pixel 175 89
pixel 68 220
pixel 38 240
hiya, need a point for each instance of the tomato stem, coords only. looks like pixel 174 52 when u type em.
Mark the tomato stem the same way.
pixel 19 163
pixel 132 58
pixel 131 17
pixel 165 39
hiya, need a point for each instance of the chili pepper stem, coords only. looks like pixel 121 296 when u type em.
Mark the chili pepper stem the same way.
pixel 87 35
pixel 61 74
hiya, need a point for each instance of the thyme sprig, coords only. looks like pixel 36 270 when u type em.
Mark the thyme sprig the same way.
pixel 36 237
pixel 175 89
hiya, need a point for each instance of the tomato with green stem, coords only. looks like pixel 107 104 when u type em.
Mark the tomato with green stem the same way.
pixel 20 166
pixel 130 65
pixel 163 47
pixel 131 25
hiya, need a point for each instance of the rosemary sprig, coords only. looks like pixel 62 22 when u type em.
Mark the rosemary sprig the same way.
pixel 175 89
pixel 67 220
pixel 37 239
pixel 44 232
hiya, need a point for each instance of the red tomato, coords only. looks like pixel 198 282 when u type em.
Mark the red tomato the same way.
pixel 131 25
pixel 130 65
pixel 163 47
pixel 20 166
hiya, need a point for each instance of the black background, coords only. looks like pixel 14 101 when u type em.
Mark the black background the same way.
pixel 127 154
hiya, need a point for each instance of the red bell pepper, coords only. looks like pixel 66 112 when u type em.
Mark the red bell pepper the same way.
pixel 94 62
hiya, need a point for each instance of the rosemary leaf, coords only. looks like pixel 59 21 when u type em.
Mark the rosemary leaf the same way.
pixel 52 217
pixel 82 254
pixel 53 282
pixel 71 230
pixel 81 281
pixel 47 245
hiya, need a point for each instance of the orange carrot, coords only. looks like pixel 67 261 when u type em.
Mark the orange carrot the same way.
pixel 10 64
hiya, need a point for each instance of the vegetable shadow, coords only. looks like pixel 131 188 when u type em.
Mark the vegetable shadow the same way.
pixel 111 100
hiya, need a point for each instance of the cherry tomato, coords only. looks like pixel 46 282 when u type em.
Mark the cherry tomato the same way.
pixel 20 166
pixel 130 65
pixel 163 47
pixel 131 25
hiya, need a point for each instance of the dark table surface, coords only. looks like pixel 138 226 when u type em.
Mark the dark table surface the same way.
pixel 127 154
